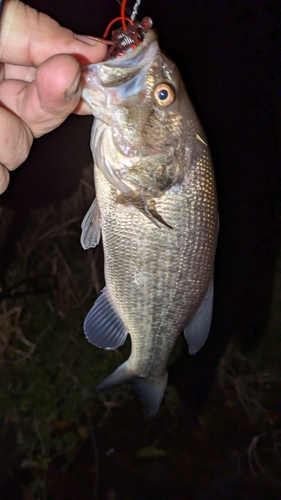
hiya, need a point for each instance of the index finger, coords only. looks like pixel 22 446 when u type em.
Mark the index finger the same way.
pixel 28 37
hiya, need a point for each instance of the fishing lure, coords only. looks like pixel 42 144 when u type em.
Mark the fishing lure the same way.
pixel 127 37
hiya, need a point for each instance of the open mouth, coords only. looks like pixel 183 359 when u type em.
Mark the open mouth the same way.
pixel 121 69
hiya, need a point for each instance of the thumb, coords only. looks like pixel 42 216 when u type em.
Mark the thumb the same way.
pixel 47 101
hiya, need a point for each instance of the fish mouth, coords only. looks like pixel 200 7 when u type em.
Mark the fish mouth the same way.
pixel 150 37
pixel 115 72
pixel 111 83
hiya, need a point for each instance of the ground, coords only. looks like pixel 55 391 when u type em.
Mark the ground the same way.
pixel 60 440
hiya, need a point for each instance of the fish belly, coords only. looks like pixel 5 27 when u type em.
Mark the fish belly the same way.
pixel 157 278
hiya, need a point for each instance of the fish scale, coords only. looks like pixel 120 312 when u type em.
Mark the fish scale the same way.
pixel 161 281
pixel 157 207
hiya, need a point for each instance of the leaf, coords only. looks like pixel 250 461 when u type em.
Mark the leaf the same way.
pixel 82 432
pixel 151 452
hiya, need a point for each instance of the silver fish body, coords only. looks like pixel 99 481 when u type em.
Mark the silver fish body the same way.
pixel 156 208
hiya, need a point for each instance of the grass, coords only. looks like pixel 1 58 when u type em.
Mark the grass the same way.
pixel 49 371
pixel 255 382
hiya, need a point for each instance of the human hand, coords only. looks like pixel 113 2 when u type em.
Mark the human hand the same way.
pixel 40 69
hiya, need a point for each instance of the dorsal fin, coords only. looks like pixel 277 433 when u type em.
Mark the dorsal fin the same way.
pixel 197 331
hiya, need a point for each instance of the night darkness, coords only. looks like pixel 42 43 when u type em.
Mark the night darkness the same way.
pixel 229 55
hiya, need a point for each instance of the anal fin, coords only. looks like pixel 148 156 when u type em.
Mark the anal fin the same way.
pixel 102 326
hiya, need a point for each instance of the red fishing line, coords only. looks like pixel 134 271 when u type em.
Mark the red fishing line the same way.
pixel 122 18
pixel 114 21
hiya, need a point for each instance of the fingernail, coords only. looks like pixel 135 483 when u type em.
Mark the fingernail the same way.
pixel 73 89
pixel 87 39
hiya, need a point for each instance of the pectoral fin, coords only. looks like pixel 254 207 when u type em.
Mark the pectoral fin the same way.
pixel 145 204
pixel 197 331
pixel 102 326
pixel 91 230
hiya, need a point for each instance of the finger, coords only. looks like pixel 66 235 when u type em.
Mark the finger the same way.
pixel 29 38
pixel 46 102
pixel 4 178
pixel 83 108
pixel 14 72
pixel 15 142
pixel 28 74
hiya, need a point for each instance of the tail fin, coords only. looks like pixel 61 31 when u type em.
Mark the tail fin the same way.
pixel 149 391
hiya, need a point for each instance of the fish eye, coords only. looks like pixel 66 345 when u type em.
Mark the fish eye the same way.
pixel 164 94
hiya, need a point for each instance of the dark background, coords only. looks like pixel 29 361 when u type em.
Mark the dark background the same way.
pixel 229 55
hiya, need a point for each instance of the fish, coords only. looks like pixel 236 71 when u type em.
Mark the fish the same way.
pixel 156 210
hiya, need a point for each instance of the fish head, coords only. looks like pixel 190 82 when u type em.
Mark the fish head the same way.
pixel 141 97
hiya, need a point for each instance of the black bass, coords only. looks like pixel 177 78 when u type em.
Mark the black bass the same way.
pixel 156 208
